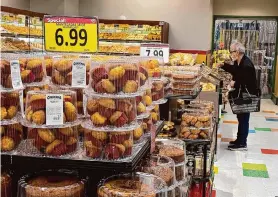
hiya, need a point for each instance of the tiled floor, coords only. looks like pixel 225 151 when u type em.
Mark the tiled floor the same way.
pixel 252 173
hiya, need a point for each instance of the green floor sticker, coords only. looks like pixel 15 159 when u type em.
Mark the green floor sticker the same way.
pixel 255 173
pixel 254 166
pixel 262 129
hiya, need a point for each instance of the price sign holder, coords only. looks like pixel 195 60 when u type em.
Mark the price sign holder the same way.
pixel 70 34
pixel 155 50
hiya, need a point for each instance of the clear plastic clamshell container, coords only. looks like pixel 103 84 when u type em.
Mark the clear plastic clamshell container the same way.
pixel 161 166
pixel 11 136
pixel 171 147
pixel 132 185
pixel 6 183
pixel 115 77
pixel 111 111
pixel 138 133
pixel 152 65
pixel 142 111
pixel 53 142
pixel 10 105
pixel 107 145
pixel 155 114
pixel 59 183
pixel 71 72
pixel 147 97
pixel 50 108
pixel 203 104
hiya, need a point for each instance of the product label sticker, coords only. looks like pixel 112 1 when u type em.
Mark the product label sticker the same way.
pixel 21 102
pixel 85 56
pixel 78 74
pixel 54 109
pixel 15 74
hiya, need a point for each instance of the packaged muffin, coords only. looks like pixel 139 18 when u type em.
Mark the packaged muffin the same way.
pixel 143 75
pixel 10 105
pixel 52 183
pixel 142 111
pixel 115 77
pixel 158 91
pixel 6 183
pixel 50 107
pixel 138 133
pixel 152 65
pixel 171 147
pixel 111 111
pixel 131 185
pixel 161 166
pixel 155 114
pixel 71 72
pixel 52 141
pixel 11 136
pixel 108 145
pixel 147 124
pixel 147 98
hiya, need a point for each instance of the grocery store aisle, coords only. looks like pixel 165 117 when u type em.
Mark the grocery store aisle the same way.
pixel 252 173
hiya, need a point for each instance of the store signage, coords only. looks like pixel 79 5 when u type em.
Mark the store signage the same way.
pixel 155 50
pixel 70 34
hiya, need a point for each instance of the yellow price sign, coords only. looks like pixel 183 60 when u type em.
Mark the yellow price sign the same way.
pixel 70 34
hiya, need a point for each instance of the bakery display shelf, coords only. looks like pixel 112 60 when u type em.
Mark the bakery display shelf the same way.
pixel 130 41
pixel 185 97
pixel 13 35
pixel 115 53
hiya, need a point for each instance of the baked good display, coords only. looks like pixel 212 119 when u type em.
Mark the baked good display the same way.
pixel 62 71
pixel 109 145
pixel 141 106
pixel 202 104
pixel 182 59
pixel 161 166
pixel 155 114
pixel 6 184
pixel 10 105
pixel 36 106
pixel 138 133
pixel 105 110
pixel 33 88
pixel 132 185
pixel 157 91
pixel 58 183
pixel 53 141
pixel 11 136
pixel 169 130
pixel 115 77
pixel 152 65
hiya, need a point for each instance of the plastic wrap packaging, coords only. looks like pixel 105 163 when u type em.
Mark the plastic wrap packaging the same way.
pixel 10 105
pixel 111 111
pixel 155 114
pixel 53 142
pixel 152 65
pixel 58 183
pixel 172 147
pixel 203 104
pixel 141 106
pixel 6 183
pixel 11 136
pixel 115 77
pixel 147 97
pixel 71 72
pixel 158 91
pixel 132 185
pixel 195 125
pixel 147 124
pixel 108 145
pixel 182 59
pixel 161 166
pixel 50 108
pixel 138 133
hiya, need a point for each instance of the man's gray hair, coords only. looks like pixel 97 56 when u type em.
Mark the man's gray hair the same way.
pixel 238 46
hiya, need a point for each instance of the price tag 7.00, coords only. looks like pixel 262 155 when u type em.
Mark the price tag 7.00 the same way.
pixel 155 50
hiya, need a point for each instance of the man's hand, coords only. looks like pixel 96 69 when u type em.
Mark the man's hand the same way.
pixel 218 65
pixel 232 84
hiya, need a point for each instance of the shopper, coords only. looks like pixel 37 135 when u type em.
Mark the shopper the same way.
pixel 244 76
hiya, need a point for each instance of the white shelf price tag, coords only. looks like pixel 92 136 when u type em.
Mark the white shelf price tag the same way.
pixel 155 50
pixel 15 74
pixel 54 109
pixel 78 74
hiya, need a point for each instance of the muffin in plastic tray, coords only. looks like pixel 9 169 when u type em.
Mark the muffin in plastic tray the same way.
pixel 155 114
pixel 147 98
pixel 171 147
pixel 203 104
pixel 196 119
pixel 52 183
pixel 70 72
pixel 6 183
pixel 115 77
pixel 141 106
pixel 131 185
pixel 152 65
pixel 138 133
pixel 108 145
pixel 161 166
pixel 111 111
pixel 10 105
pixel 158 91
pixel 11 136
pixel 50 107
pixel 147 124
pixel 51 141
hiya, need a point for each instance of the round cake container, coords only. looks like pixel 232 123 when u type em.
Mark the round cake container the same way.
pixel 10 105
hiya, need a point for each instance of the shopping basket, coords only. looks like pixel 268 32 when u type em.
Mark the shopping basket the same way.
pixel 242 101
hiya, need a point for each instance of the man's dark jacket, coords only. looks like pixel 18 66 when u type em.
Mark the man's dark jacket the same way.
pixel 243 74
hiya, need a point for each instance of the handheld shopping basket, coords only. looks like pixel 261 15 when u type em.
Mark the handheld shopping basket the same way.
pixel 243 102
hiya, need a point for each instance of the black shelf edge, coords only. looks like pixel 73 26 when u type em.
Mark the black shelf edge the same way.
pixel 19 35
pixel 130 41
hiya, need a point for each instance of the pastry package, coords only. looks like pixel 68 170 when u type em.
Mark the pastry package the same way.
pixel 108 111
pixel 155 114
pixel 169 70
pixel 158 91
pixel 10 105
pixel 138 133
pixel 115 77
pixel 182 59
pixel 202 104
pixel 132 185
pixel 53 142
pixel 107 145
pixel 71 72
pixel 50 107
pixel 152 65
pixel 52 183
pixel 141 106
pixel 147 97
pixel 147 124
pixel 161 166
pixel 6 183
pixel 11 136
pixel 171 147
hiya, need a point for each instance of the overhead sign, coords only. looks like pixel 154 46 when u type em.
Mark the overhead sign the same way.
pixel 70 34
pixel 155 50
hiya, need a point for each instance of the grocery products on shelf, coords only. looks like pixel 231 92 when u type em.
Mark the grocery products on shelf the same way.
pixel 182 59
pixel 208 86
pixel 22 30
pixel 124 48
